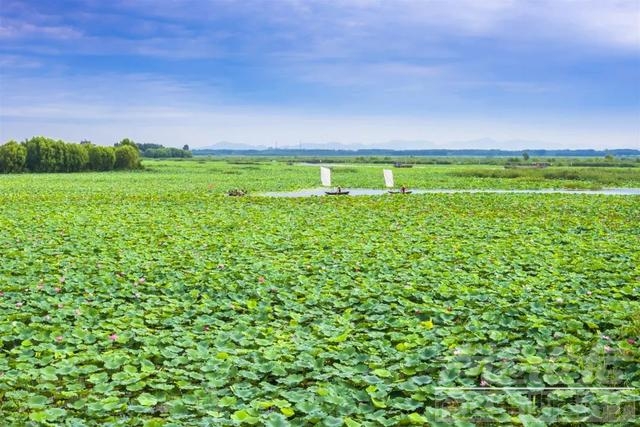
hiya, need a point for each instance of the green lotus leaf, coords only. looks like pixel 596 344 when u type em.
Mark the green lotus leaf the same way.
pixel 244 417
pixel 416 419
pixel 333 422
pixel 40 416
pixel 276 420
pixel 147 399
pixel 382 373
pixel 37 401
pixel 227 401
pixel 55 413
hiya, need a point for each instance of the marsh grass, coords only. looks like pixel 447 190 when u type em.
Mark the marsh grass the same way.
pixel 595 177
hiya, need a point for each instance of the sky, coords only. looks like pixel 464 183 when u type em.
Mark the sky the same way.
pixel 510 74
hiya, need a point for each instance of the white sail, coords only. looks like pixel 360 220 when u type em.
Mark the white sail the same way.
pixel 325 176
pixel 388 178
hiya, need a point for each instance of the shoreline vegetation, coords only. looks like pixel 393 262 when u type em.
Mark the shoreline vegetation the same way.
pixel 45 155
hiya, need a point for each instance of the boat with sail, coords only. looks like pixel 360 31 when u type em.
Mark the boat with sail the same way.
pixel 325 178
pixel 388 182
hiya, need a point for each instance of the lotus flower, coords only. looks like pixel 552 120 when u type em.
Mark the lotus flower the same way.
pixel 142 280
pixel 631 341
pixel 607 349
pixel 113 337
pixel 59 338
pixel 483 383
pixel 261 279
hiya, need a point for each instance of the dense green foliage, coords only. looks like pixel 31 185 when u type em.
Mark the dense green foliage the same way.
pixel 101 158
pixel 608 177
pixel 158 151
pixel 151 297
pixel 127 157
pixel 40 154
pixel 13 157
pixel 167 152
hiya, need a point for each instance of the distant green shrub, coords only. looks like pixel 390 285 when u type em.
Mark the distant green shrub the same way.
pixel 127 157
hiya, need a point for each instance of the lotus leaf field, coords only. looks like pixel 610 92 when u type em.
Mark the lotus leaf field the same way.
pixel 151 298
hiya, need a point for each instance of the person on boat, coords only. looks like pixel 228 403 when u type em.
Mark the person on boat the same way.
pixel 339 189
pixel 403 189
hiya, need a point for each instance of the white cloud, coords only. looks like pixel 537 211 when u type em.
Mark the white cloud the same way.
pixel 18 62
pixel 384 50
pixel 12 29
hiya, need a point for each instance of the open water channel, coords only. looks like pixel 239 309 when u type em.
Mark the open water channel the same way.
pixel 376 192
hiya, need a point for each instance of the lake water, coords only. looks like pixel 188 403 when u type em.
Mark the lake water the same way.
pixel 375 192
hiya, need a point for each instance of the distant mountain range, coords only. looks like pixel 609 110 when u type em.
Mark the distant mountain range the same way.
pixel 396 144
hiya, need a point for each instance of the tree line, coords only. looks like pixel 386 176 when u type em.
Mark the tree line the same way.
pixel 158 151
pixel 283 152
pixel 41 154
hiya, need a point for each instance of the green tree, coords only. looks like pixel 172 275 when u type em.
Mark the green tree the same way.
pixel 76 157
pixel 58 158
pixel 128 142
pixel 35 146
pixel 127 157
pixel 185 147
pixel 101 158
pixel 525 156
pixel 13 157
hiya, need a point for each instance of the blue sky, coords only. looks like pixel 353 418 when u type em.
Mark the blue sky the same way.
pixel 404 74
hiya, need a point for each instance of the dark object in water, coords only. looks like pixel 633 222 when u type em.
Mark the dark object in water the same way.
pixel 402 190
pixel 237 192
pixel 338 192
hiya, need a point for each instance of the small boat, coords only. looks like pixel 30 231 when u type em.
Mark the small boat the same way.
pixel 340 192
pixel 388 182
pixel 325 178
